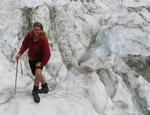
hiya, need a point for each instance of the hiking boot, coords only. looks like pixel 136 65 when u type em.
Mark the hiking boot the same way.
pixel 35 94
pixel 44 89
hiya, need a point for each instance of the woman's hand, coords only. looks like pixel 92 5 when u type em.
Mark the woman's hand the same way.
pixel 39 64
pixel 18 56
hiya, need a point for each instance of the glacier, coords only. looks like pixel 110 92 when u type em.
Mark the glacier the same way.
pixel 100 62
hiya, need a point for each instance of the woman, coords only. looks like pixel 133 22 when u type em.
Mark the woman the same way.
pixel 39 53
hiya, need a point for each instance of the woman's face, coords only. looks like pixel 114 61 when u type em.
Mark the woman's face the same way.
pixel 37 31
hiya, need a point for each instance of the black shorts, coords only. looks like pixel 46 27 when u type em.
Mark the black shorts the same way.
pixel 33 67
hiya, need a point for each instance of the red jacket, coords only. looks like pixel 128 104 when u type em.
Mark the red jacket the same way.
pixel 38 49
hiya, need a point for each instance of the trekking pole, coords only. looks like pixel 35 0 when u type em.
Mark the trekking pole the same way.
pixel 21 67
pixel 16 78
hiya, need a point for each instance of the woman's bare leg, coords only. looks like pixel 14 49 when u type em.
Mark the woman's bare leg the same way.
pixel 38 74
